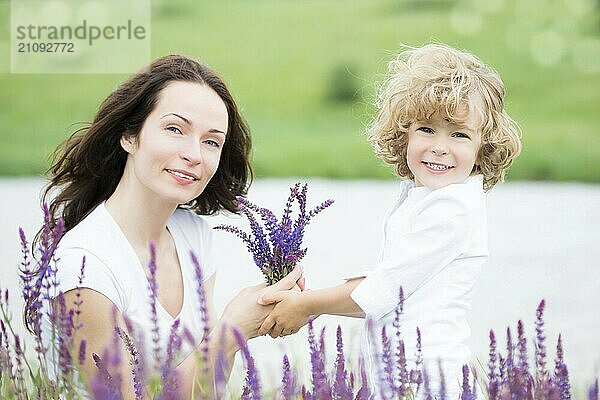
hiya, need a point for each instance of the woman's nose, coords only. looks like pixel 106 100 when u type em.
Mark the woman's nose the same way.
pixel 192 153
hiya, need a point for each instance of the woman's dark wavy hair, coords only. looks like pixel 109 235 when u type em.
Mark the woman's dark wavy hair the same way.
pixel 91 162
pixel 88 166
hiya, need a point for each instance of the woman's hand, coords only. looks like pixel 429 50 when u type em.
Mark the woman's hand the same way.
pixel 289 315
pixel 244 311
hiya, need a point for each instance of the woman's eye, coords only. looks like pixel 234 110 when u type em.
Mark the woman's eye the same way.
pixel 174 129
pixel 212 143
pixel 425 129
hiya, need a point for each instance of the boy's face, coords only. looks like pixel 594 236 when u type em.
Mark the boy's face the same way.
pixel 440 152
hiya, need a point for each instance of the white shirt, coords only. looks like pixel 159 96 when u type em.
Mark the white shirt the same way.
pixel 435 243
pixel 113 269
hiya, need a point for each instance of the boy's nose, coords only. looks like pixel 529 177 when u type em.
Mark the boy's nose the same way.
pixel 439 149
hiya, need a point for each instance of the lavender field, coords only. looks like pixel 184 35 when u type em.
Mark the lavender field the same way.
pixel 544 243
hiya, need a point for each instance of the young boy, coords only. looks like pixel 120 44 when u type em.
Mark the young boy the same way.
pixel 441 122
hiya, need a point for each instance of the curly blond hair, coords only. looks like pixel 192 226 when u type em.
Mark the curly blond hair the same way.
pixel 438 78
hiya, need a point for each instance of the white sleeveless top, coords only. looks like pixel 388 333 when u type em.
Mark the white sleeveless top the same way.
pixel 113 269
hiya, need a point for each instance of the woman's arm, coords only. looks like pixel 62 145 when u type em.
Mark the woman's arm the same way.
pixel 96 314
pixel 242 312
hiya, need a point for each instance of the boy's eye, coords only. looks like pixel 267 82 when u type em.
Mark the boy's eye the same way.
pixel 460 135
pixel 174 129
pixel 425 129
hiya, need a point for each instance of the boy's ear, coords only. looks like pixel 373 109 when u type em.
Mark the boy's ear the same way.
pixel 128 143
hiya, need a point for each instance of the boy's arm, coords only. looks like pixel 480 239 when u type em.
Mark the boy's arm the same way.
pixel 335 300
pixel 294 308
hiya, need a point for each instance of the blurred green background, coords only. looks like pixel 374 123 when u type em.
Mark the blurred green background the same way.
pixel 305 72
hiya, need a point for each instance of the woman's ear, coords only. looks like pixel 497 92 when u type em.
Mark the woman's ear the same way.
pixel 128 143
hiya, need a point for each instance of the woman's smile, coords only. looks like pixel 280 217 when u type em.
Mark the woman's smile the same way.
pixel 183 177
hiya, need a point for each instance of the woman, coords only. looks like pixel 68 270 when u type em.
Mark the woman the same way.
pixel 166 145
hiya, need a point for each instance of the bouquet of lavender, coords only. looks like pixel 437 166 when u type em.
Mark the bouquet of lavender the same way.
pixel 276 246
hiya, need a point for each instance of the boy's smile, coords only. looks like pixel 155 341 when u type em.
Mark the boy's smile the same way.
pixel 441 152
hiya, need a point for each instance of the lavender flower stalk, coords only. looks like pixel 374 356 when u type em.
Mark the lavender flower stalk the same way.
pixel 416 375
pixel 593 391
pixel 288 382
pixel 276 246
pixel 387 378
pixel 252 379
pixel 341 389
pixel 400 355
pixel 103 384
pixel 466 393
pixel 493 377
pixel 137 370
pixel 153 285
pixel 168 373
pixel 364 392
pixel 317 361
pixel 203 314
pixel 540 344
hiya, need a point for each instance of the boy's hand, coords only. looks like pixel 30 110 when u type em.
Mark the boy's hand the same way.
pixel 288 316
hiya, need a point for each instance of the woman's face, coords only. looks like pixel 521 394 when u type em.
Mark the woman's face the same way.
pixel 178 149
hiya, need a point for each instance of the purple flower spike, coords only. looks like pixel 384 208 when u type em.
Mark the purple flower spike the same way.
pixel 82 351
pixel 522 347
pixel 19 359
pixel 153 288
pixel 168 373
pixel 364 392
pixel 288 382
pixel 564 385
pixel 319 375
pixel 492 376
pixel 540 344
pixel 78 301
pixel 276 246
pixel 137 369
pixel 252 379
pixel 426 385
pixel 416 375
pixel 593 391
pixel 220 367
pixel 203 314
pixel 387 378
pixel 341 389
pixel 466 393
pixel 559 354
pixel 103 385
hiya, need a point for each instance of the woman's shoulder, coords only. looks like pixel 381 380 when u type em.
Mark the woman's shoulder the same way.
pixel 96 245
pixel 98 238
pixel 87 232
